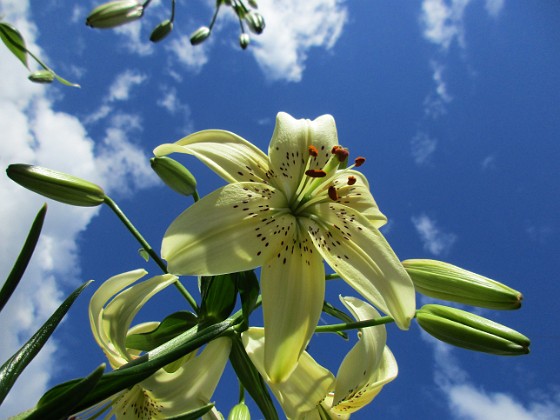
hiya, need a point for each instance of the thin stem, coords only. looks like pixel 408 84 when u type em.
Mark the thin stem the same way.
pixel 354 325
pixel 241 393
pixel 195 195
pixel 332 276
pixel 132 229
pixel 172 11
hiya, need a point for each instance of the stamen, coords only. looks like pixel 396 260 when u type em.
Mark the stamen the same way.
pixel 315 173
pixel 342 154
pixel 332 193
pixel 351 180
pixel 313 151
pixel 359 161
pixel 335 148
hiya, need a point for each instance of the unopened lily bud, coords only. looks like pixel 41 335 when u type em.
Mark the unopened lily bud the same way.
pixel 200 35
pixel 239 412
pixel 448 282
pixel 115 13
pixel 174 175
pixel 255 22
pixel 253 4
pixel 472 332
pixel 161 31
pixel 42 76
pixel 57 185
pixel 244 40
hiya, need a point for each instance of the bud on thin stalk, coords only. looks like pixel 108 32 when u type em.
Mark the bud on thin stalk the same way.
pixel 174 175
pixel 472 332
pixel 42 76
pixel 244 40
pixel 448 282
pixel 56 185
pixel 255 22
pixel 115 13
pixel 239 412
pixel 161 31
pixel 200 35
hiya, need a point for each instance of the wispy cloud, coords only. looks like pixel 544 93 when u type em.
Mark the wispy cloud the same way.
pixel 489 162
pixel 436 101
pixel 434 239
pixel 494 7
pixel 442 21
pixel 293 27
pixel 124 83
pixel 423 147
pixel 192 58
pixel 170 101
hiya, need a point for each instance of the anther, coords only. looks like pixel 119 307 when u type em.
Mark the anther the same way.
pixel 313 151
pixel 359 161
pixel 342 154
pixel 351 180
pixel 315 173
pixel 332 193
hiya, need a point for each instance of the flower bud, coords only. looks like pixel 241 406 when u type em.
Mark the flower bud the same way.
pixel 161 31
pixel 239 412
pixel 200 35
pixel 472 332
pixel 174 175
pixel 445 281
pixel 244 40
pixel 57 185
pixel 253 4
pixel 115 13
pixel 255 22
pixel 42 76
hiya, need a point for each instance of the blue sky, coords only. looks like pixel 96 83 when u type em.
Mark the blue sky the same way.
pixel 454 104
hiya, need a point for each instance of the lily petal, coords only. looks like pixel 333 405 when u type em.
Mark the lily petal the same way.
pixel 306 386
pixel 235 228
pixel 362 257
pixel 289 148
pixel 229 155
pixel 293 290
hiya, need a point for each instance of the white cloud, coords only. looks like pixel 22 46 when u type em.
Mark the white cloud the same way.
pixel 436 101
pixel 35 132
pixel 193 58
pixel 170 101
pixel 435 241
pixel 443 21
pixel 120 89
pixel 494 7
pixel 423 147
pixel 292 28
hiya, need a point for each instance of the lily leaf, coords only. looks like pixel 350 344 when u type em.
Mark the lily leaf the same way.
pixel 194 414
pixel 23 259
pixel 13 367
pixel 14 41
pixel 169 328
pixel 219 294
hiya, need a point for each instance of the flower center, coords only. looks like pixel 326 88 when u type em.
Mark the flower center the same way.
pixel 138 403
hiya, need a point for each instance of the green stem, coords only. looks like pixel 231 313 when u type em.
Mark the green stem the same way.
pixel 132 229
pixel 195 195
pixel 332 276
pixel 354 325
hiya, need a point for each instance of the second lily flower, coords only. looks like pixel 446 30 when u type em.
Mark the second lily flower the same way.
pixel 287 212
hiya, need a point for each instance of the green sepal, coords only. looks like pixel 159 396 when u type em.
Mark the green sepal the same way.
pixel 14 41
pixel 15 365
pixel 169 328
pixel 472 332
pixel 193 414
pixel 23 258
pixel 251 379
pixel 219 294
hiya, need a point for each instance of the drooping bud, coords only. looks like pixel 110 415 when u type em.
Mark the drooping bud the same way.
pixel 57 185
pixel 445 281
pixel 115 13
pixel 174 175
pixel 239 412
pixel 200 35
pixel 161 31
pixel 255 22
pixel 41 76
pixel 472 332
pixel 253 4
pixel 244 40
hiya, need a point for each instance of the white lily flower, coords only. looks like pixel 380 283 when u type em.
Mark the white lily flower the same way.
pixel 287 212
pixel 163 394
pixel 312 392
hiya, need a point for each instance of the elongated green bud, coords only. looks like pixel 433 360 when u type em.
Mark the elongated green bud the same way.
pixel 244 40
pixel 42 76
pixel 115 13
pixel 200 35
pixel 161 31
pixel 174 175
pixel 472 332
pixel 239 412
pixel 57 185
pixel 255 22
pixel 445 281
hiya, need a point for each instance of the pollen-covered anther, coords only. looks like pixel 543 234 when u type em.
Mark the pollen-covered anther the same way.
pixel 351 180
pixel 341 153
pixel 315 173
pixel 313 151
pixel 359 161
pixel 333 193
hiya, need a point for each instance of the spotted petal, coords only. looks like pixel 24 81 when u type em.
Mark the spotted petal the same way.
pixel 232 229
pixel 293 290
pixel 229 155
pixel 362 257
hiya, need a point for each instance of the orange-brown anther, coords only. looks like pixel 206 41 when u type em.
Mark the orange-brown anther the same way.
pixel 313 151
pixel 315 173
pixel 359 161
pixel 342 154
pixel 332 193
pixel 351 180
pixel 335 148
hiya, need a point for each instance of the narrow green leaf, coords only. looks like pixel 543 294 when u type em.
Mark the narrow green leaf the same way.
pixel 248 286
pixel 13 367
pixel 251 379
pixel 194 414
pixel 24 257
pixel 66 82
pixel 14 41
